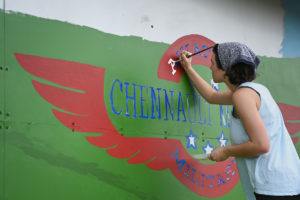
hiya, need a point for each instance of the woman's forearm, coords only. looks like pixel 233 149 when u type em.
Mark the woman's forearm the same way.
pixel 247 149
pixel 201 85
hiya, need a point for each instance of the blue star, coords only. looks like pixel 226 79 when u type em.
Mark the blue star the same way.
pixel 222 140
pixel 191 140
pixel 208 149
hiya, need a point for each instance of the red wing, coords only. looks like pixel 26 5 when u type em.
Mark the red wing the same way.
pixel 291 113
pixel 77 90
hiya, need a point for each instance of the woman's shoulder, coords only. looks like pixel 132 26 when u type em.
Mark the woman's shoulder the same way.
pixel 257 87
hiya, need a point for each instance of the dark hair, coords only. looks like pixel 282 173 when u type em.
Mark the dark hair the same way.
pixel 238 73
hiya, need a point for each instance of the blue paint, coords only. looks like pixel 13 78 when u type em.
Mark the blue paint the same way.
pixel 130 98
pixel 224 115
pixel 111 97
pixel 182 162
pixel 209 120
pixel 136 95
pixel 291 43
pixel 188 106
pixel 222 140
pixel 191 143
pixel 229 172
pixel 220 180
pixel 180 108
pixel 142 103
pixel 210 177
pixel 199 103
pixel 168 105
pixel 154 102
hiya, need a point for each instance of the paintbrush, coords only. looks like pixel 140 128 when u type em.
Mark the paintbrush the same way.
pixel 173 62
pixel 201 157
pixel 188 56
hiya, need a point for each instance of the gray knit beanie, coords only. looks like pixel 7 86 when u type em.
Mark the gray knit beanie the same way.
pixel 231 53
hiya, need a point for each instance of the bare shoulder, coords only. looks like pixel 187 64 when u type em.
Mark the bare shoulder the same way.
pixel 245 97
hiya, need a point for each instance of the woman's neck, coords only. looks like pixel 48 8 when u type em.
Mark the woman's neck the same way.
pixel 232 87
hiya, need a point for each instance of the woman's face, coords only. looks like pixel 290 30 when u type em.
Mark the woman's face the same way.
pixel 217 74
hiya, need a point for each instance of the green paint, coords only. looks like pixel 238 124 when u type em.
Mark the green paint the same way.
pixel 281 76
pixel 2 82
pixel 45 160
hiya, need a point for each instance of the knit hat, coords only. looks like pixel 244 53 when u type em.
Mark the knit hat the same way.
pixel 231 53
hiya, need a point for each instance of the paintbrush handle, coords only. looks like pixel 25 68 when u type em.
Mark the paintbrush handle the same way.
pixel 199 52
pixel 188 56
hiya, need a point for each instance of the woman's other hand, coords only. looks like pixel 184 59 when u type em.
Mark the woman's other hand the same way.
pixel 219 154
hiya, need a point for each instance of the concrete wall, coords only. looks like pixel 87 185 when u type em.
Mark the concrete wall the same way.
pixel 165 21
pixel 90 109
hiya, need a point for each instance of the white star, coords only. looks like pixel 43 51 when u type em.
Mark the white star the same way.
pixel 191 140
pixel 208 149
pixel 222 140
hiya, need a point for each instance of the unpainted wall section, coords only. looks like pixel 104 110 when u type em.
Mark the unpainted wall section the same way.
pixel 166 21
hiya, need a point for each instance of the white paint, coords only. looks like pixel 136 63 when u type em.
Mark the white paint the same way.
pixel 257 23
pixel 171 62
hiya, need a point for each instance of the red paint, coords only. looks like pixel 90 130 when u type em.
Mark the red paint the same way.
pixel 164 69
pixel 291 113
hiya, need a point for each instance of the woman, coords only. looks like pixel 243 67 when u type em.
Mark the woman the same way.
pixel 266 158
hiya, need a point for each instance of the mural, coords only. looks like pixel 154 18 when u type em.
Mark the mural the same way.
pixel 88 114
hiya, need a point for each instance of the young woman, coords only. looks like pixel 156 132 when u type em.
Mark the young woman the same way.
pixel 267 160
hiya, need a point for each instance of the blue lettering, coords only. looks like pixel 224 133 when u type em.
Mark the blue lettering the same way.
pixel 182 162
pixel 224 120
pixel 112 99
pixel 180 109
pixel 186 172
pixel 220 180
pixel 188 106
pixel 181 49
pixel 168 104
pixel 210 177
pixel 209 120
pixel 229 172
pixel 199 103
pixel 153 99
pixel 196 49
pixel 203 175
pixel 193 176
pixel 130 98
pixel 187 47
pixel 205 47
pixel 142 103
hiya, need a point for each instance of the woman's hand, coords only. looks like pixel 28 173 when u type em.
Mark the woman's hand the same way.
pixel 219 154
pixel 185 62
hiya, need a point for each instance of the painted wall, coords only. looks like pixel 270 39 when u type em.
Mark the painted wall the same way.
pixel 90 108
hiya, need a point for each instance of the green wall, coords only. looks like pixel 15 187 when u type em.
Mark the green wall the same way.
pixel 42 159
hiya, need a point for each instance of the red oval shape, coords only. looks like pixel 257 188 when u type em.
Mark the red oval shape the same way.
pixel 191 43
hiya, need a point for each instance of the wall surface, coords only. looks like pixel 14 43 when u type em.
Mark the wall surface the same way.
pixel 221 21
pixel 90 108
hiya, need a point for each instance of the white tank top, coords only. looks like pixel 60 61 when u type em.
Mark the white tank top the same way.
pixel 278 171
